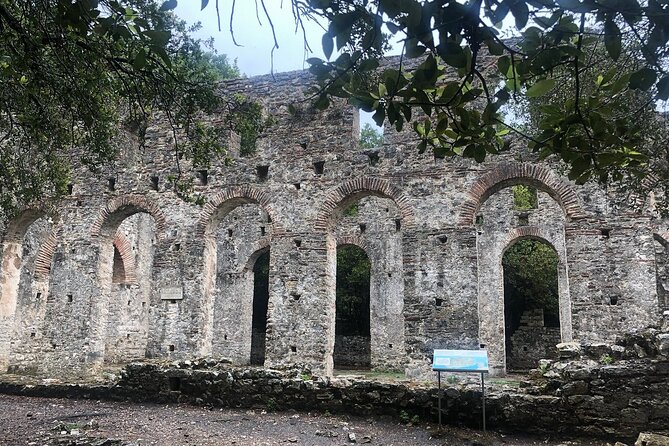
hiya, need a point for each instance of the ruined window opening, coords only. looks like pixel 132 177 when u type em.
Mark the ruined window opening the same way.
pixel 111 184
pixel 606 233
pixel 398 225
pixel 260 304
pixel 70 298
pixel 154 182
pixel 263 172
pixel 262 230
pixel 352 348
pixel 371 134
pixel 438 301
pixel 524 197
pixel 523 219
pixel 373 158
pixel 203 177
pixel 70 189
pixel 118 268
pixel 479 219
pixel 531 303
pixel 319 167
pixel 174 382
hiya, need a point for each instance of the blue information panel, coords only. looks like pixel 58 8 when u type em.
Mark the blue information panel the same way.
pixel 460 361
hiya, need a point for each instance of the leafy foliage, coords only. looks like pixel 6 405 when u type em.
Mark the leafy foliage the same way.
pixel 353 275
pixel 74 71
pixel 524 197
pixel 530 281
pixel 451 96
pixel 370 137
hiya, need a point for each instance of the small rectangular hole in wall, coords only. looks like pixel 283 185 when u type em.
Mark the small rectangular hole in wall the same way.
pixel 32 335
pixel 177 246
pixel 523 220
pixel 319 167
pixel 398 225
pixel 262 230
pixel 606 233
pixel 269 219
pixel 225 337
pixel 70 298
pixel 174 382
pixel 229 232
pixel 390 345
pixel 613 300
pixel 262 171
pixel 172 348
pixel 111 184
pixel 442 238
pixel 295 296
pixel 438 302
pixel 373 158
pixel 363 227
pixel 297 186
pixel 298 242
pixel 293 349
pixel 203 176
pixel 128 303
pixel 70 188
pixel 154 182
pixel 38 296
pixel 390 274
pixel 127 336
pixel 479 219
pixel 173 301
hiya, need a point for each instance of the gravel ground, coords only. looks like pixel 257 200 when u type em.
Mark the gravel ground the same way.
pixel 43 421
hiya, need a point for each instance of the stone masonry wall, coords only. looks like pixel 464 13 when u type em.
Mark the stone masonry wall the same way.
pixel 436 274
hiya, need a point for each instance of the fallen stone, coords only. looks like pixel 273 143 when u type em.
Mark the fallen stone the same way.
pixel 650 439
pixel 568 350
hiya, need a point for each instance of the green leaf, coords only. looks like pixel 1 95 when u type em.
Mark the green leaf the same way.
pixel 521 13
pixel 328 45
pixel 540 88
pixel 159 38
pixel 612 39
pixel 140 60
pixel 204 4
pixel 168 5
pixel 642 79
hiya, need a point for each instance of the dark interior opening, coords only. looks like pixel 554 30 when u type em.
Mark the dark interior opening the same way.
pixel 260 301
pixel 352 348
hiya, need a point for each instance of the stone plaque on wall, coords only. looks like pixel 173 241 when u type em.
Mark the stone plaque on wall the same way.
pixel 172 293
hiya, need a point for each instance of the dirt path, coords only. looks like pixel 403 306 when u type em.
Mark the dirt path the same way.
pixel 42 421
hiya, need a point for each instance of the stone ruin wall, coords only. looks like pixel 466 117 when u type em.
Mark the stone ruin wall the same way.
pixel 182 283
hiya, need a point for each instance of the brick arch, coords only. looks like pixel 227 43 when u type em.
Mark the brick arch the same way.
pixel 259 248
pixel 124 248
pixel 510 174
pixel 18 226
pixel 358 188
pixel 354 240
pixel 222 203
pixel 44 257
pixel 120 208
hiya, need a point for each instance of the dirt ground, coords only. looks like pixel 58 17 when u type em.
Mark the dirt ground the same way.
pixel 42 421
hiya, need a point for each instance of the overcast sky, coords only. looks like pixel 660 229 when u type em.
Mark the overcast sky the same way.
pixel 254 56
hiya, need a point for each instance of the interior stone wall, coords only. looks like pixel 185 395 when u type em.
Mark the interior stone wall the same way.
pixel 437 274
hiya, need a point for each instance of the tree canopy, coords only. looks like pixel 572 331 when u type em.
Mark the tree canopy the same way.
pixel 75 73
pixel 370 137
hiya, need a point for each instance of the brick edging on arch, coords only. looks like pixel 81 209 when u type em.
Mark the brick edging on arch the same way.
pixel 122 244
pixel 17 226
pixel 141 203
pixel 533 232
pixel 354 240
pixel 44 257
pixel 244 192
pixel 537 175
pixel 375 186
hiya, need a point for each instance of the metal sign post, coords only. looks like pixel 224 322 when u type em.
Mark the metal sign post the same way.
pixel 461 361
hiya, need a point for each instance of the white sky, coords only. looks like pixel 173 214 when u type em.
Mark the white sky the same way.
pixel 254 56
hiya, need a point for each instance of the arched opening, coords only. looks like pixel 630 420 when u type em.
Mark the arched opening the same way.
pixel 27 255
pixel 531 303
pixel 352 348
pixel 260 303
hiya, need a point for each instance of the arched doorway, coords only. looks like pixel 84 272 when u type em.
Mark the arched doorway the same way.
pixel 260 302
pixel 352 349
pixel 531 303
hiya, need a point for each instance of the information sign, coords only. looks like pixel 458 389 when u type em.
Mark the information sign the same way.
pixel 460 361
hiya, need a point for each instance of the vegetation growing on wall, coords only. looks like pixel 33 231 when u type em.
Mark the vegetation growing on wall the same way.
pixel 370 137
